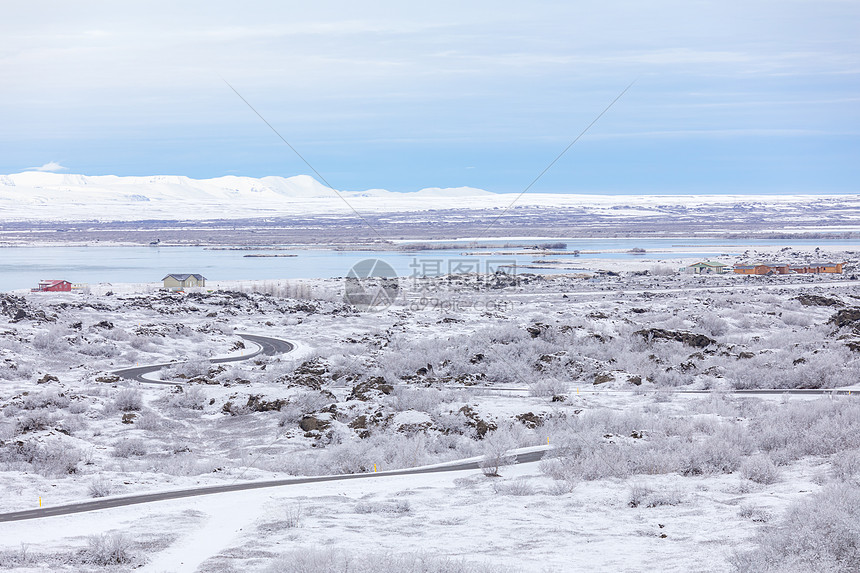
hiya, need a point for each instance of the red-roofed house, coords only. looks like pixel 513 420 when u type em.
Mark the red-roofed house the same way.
pixel 53 286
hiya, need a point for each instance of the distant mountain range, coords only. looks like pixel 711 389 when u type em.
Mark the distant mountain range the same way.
pixel 66 197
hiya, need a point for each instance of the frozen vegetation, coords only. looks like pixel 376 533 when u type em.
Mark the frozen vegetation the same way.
pixel 598 370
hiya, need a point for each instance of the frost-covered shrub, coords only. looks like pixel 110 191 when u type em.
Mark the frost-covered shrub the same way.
pixel 189 369
pixel 846 465
pixel 420 399
pixel 753 513
pixel 129 447
pixel 144 344
pixel 52 458
pixel 99 350
pixel 35 421
pixel 52 340
pixel 819 534
pixel 497 446
pixel 190 398
pixel 78 406
pixel 329 560
pixel 517 487
pixel 46 399
pixel 760 469
pixel 713 324
pixel 796 318
pixel 128 400
pixel 301 403
pixel 548 387
pixel 100 487
pixel 397 507
pixel 108 549
pixel 149 421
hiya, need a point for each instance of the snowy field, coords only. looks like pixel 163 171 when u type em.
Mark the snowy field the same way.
pixel 626 379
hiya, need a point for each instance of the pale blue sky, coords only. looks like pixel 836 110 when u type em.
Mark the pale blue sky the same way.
pixel 751 96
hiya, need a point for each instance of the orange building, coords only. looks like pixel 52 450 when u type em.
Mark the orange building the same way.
pixel 762 269
pixel 817 268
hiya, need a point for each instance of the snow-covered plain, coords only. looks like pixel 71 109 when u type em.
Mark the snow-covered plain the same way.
pixel 642 476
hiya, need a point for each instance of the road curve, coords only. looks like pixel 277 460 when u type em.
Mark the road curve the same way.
pixel 268 347
pixel 96 505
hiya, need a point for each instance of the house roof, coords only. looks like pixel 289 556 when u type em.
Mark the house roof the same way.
pixel 183 277
pixel 803 265
pixel 709 264
pixel 51 282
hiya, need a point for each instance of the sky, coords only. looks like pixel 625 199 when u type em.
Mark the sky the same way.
pixel 753 96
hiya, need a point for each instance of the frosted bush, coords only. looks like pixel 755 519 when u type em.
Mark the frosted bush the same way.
pixel 52 340
pixel 99 350
pixel 713 324
pixel 420 399
pixel 819 534
pixel 46 399
pixel 398 507
pixel 149 421
pixel 753 513
pixel 128 399
pixel 301 403
pixel 548 387
pixel 760 469
pixel 189 369
pixel 78 406
pixel 129 447
pixel 100 487
pixel 517 487
pixel 51 459
pixel 191 398
pixel 846 465
pixel 108 549
pixel 497 446
pixel 796 318
pixel 329 560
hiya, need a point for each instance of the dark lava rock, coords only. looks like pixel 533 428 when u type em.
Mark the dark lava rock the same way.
pixel 688 338
pixel 603 378
pixel 473 420
pixel 846 317
pixel 816 300
pixel 365 391
pixel 530 420
pixel 313 424
pixel 47 378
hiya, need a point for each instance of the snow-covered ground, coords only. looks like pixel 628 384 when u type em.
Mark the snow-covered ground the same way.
pixel 639 474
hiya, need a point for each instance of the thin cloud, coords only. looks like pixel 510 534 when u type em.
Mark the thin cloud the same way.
pixel 50 167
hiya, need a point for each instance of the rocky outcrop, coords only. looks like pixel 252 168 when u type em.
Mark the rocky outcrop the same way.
pixel 688 338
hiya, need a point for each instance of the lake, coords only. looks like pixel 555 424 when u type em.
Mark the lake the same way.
pixel 23 267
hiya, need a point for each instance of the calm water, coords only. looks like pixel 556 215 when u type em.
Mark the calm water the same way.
pixel 23 267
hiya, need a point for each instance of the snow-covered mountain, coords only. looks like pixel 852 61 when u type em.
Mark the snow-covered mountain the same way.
pixel 50 196
pixel 67 197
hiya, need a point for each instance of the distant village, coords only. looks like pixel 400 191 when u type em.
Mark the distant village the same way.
pixel 713 267
pixel 174 282
pixel 180 281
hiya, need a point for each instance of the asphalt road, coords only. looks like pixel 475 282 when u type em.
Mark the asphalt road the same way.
pixel 209 490
pixel 743 392
pixel 268 347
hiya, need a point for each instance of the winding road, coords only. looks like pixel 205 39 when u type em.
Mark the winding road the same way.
pixel 208 490
pixel 268 347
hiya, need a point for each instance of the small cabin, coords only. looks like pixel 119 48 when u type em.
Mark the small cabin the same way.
pixel 176 281
pixel 707 267
pixel 53 286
